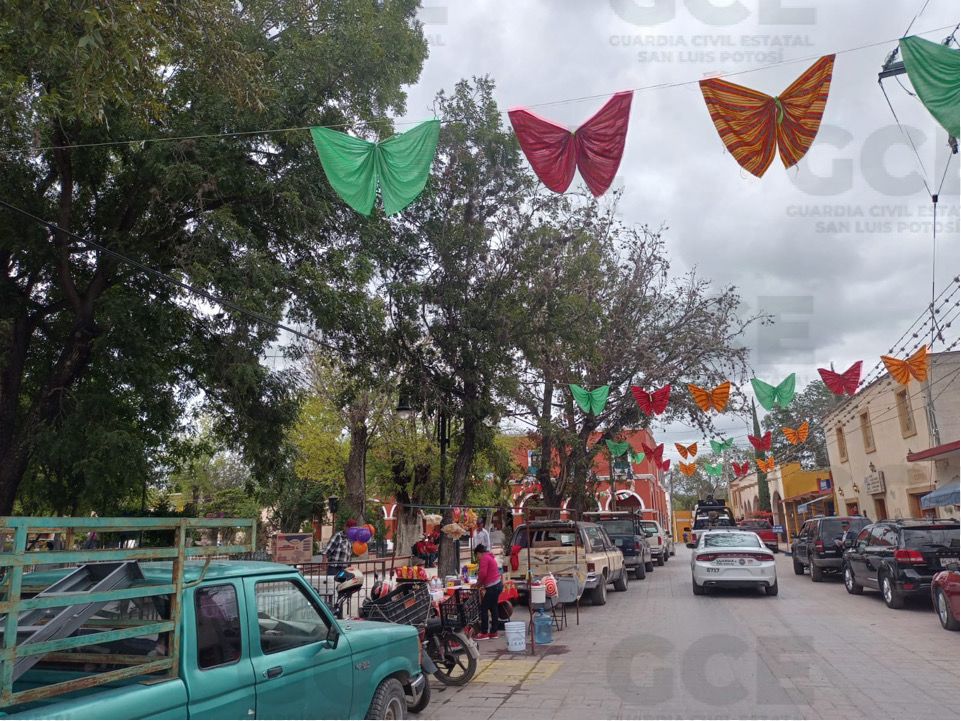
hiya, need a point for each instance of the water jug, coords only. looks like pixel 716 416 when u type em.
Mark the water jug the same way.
pixel 543 628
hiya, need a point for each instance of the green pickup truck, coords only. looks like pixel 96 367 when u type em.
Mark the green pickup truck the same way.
pixel 124 637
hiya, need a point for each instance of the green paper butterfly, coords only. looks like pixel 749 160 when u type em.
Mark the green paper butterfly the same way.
pixel 400 164
pixel 618 449
pixel 769 396
pixel 638 457
pixel 714 469
pixel 591 401
pixel 721 446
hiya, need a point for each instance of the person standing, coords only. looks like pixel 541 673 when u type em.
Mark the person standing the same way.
pixel 489 579
pixel 481 536
pixel 338 551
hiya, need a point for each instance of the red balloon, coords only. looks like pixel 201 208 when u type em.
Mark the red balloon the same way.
pixel 360 548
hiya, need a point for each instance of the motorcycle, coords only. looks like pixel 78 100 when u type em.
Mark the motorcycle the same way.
pixel 349 583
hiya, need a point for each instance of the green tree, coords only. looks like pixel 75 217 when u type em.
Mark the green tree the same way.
pixel 250 217
pixel 810 405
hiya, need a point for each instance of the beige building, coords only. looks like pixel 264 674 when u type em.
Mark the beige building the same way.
pixel 884 453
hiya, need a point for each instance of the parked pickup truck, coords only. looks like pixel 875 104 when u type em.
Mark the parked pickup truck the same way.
pixel 624 528
pixel 114 636
pixel 763 528
pixel 580 555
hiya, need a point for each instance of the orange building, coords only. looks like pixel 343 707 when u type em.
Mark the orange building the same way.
pixel 635 485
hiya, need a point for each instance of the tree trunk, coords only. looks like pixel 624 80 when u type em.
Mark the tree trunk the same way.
pixel 549 491
pixel 355 474
pixel 448 561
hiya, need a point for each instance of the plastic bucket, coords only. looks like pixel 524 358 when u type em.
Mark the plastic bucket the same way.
pixel 538 594
pixel 516 632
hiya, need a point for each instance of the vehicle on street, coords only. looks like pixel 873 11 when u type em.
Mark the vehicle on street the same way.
pixel 709 513
pixel 131 633
pixel 731 558
pixel 763 528
pixel 657 537
pixel 624 528
pixel 900 558
pixel 580 554
pixel 944 596
pixel 819 544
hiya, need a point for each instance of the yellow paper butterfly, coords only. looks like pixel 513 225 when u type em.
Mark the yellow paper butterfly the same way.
pixel 686 451
pixel 796 435
pixel 915 366
pixel 716 399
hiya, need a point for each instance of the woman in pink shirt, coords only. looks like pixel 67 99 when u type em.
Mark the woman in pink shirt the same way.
pixel 488 578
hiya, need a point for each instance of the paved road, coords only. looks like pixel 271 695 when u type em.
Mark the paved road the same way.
pixel 657 651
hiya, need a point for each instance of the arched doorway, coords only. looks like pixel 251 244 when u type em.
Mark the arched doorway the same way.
pixel 629 501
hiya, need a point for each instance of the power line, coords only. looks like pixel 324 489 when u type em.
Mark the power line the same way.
pixel 337 126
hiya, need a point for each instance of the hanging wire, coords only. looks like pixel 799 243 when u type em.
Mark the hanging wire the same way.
pixel 271 131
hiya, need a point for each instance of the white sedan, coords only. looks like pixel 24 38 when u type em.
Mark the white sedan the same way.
pixel 732 559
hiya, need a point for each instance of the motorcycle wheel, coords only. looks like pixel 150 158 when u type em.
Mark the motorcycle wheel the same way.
pixel 456 665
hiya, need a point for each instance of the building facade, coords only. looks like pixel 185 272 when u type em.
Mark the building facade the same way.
pixel 796 494
pixel 887 451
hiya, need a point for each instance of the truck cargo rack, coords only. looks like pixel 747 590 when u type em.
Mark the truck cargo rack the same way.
pixel 57 622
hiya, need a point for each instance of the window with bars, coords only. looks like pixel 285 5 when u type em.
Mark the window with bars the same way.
pixel 867 433
pixel 842 443
pixel 905 413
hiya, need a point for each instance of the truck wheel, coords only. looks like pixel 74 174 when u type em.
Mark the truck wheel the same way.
pixel 416 704
pixel 772 589
pixel 666 556
pixel 599 594
pixel 621 583
pixel 388 701
pixel 649 566
pixel 640 571
pixel 798 567
pixel 817 573
pixel 660 559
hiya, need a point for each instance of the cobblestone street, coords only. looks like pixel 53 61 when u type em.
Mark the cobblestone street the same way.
pixel 814 651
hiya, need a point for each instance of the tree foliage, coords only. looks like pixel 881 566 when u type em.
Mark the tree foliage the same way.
pixel 250 218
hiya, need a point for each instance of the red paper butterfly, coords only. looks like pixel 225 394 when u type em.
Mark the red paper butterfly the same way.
pixel 740 469
pixel 595 148
pixel 652 403
pixel 761 444
pixel 666 465
pixel 841 383
pixel 655 454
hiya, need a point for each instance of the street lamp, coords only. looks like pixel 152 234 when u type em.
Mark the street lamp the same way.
pixel 404 409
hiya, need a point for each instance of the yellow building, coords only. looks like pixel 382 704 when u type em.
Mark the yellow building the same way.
pixel 797 494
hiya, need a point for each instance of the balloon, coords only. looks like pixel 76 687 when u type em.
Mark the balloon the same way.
pixel 352 533
pixel 370 527
pixel 363 535
pixel 360 548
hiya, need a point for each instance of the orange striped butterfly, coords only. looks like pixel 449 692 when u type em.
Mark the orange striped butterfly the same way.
pixel 688 469
pixel 903 370
pixel 686 451
pixel 796 435
pixel 716 399
pixel 765 465
pixel 752 124
pixel 740 469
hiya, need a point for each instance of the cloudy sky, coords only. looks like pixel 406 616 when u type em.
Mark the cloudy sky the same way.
pixel 839 247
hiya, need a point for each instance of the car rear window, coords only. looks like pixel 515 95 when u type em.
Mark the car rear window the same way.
pixel 759 525
pixel 833 527
pixel 544 537
pixel 731 540
pixel 705 522
pixel 620 528
pixel 932 537
pixel 649 526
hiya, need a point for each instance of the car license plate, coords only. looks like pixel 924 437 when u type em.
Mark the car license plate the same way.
pixel 734 561
pixel 946 562
pixel 713 570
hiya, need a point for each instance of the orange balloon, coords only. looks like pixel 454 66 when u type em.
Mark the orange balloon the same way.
pixel 359 548
pixel 370 527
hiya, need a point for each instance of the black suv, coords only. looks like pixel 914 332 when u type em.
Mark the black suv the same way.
pixel 624 528
pixel 819 545
pixel 900 557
